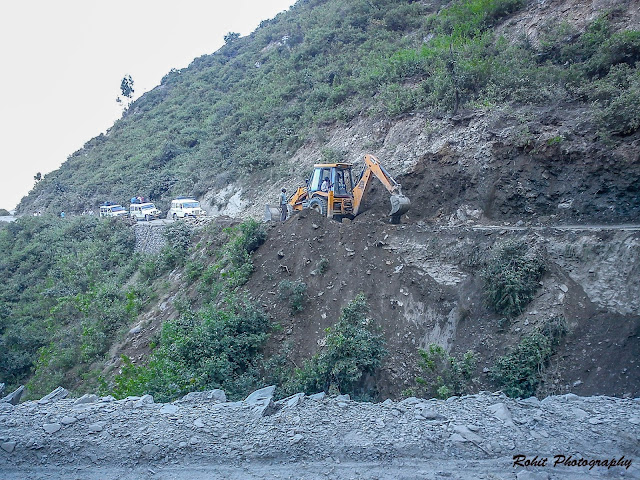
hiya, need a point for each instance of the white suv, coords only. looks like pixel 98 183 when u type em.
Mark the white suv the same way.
pixel 185 207
pixel 108 210
pixel 144 211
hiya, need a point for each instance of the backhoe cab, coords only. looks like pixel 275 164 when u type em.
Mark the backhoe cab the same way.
pixel 333 191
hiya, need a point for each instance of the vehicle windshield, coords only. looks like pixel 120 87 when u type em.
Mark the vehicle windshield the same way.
pixel 148 206
pixel 117 208
pixel 191 205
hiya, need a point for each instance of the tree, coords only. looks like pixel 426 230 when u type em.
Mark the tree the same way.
pixel 126 88
pixel 231 37
pixel 37 177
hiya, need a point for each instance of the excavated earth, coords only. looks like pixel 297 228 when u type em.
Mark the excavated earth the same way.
pixel 482 436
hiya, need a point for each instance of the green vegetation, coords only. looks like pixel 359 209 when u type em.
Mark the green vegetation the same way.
pixel 445 375
pixel 4 213
pixel 249 106
pixel 351 355
pixel 294 293
pixel 520 371
pixel 217 345
pixel 511 277
pixel 64 297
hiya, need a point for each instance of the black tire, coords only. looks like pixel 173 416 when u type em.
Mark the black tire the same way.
pixel 319 204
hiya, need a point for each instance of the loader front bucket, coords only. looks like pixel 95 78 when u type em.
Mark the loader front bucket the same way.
pixel 271 213
pixel 399 205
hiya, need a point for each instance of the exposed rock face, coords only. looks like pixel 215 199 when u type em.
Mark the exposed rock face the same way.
pixel 316 437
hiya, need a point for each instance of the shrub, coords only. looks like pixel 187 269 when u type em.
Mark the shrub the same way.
pixel 511 277
pixel 520 371
pixel 216 348
pixel 351 355
pixel 445 375
pixel 294 293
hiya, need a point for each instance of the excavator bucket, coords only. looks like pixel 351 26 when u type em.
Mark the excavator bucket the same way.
pixel 271 213
pixel 399 205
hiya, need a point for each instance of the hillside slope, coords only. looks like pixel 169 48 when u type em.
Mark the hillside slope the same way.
pixel 521 159
pixel 526 107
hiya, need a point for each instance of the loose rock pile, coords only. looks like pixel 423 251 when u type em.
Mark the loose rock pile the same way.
pixel 477 436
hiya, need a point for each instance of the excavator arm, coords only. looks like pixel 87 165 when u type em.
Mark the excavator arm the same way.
pixel 399 203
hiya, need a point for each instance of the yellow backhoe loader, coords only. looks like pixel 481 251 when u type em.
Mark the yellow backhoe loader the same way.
pixel 333 192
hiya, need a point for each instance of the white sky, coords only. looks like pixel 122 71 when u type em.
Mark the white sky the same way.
pixel 62 62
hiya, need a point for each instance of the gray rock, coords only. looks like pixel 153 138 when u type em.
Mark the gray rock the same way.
pixel 292 401
pixel 96 427
pixel 8 446
pixel 144 400
pixel 318 396
pixel 198 423
pixel 217 396
pixel 150 449
pixel 58 394
pixel 388 402
pixel 169 409
pixel 466 433
pixel 14 397
pixel 68 420
pixel 86 398
pixel 501 412
pixel 261 396
pixel 343 398
pixel 297 438
pixel 266 409
pixel 428 414
pixel 51 427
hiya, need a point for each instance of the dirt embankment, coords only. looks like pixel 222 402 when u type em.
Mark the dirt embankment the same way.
pixel 423 284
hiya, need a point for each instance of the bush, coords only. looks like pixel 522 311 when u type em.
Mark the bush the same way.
pixel 511 277
pixel 445 375
pixel 217 348
pixel 520 371
pixel 351 355
pixel 294 293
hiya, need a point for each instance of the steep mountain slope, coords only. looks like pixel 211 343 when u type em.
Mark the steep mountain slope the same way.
pixel 521 158
pixel 478 84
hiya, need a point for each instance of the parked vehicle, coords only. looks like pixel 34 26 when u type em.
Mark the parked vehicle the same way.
pixel 112 210
pixel 183 207
pixel 144 211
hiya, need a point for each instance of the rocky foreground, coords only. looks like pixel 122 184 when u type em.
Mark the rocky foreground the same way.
pixel 483 436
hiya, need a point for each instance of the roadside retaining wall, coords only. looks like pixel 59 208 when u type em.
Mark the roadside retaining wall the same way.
pixel 149 238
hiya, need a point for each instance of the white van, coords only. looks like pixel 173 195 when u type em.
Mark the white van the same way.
pixel 185 207
pixel 112 210
pixel 144 211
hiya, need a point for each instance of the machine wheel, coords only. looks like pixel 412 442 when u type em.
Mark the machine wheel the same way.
pixel 319 204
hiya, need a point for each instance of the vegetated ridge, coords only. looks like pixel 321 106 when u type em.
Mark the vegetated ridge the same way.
pixel 500 124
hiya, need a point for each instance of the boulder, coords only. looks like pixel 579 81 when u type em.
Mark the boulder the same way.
pixel 210 396
pixel 262 396
pixel 57 394
pixel 14 397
